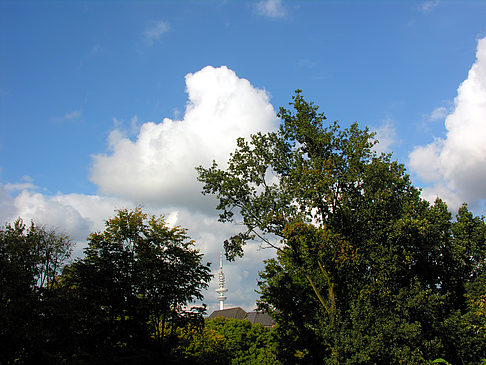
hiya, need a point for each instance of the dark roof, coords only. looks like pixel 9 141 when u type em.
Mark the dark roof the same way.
pixel 237 313
pixel 260 317
pixel 230 313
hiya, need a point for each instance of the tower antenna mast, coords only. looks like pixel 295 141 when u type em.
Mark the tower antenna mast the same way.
pixel 221 290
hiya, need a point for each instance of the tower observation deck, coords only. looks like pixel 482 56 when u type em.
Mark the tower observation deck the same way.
pixel 221 290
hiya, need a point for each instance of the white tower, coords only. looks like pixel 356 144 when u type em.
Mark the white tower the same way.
pixel 221 289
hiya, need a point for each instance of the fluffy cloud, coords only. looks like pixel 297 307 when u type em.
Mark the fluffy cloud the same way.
pixel 7 206
pixel 241 275
pixel 240 279
pixel 386 137
pixel 156 168
pixel 78 215
pixel 456 164
pixel 159 166
pixel 75 214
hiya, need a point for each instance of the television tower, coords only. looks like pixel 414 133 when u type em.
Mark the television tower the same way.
pixel 221 289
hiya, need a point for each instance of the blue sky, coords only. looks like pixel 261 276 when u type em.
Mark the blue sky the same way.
pixel 97 111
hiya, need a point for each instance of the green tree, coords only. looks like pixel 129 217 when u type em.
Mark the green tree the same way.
pixel 31 258
pixel 134 282
pixel 226 341
pixel 245 343
pixel 366 271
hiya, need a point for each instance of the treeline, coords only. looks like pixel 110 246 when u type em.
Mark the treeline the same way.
pixel 124 302
pixel 367 272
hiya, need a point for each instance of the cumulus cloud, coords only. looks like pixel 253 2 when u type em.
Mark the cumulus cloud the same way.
pixel 271 8
pixel 7 206
pixel 54 212
pixel 241 275
pixel 75 214
pixel 155 31
pixel 78 215
pixel 158 167
pixel 386 136
pixel 456 164
pixel 241 279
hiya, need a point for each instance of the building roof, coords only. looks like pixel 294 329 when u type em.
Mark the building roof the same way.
pixel 230 313
pixel 238 313
pixel 260 317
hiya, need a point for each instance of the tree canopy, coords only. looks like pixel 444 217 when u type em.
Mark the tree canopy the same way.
pixel 366 270
pixel 31 259
pixel 226 341
pixel 117 304
pixel 134 282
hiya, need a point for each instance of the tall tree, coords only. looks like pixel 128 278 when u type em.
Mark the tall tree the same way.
pixel 366 270
pixel 134 282
pixel 31 258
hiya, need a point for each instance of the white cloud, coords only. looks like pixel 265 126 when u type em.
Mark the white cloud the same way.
pixel 155 31
pixel 26 184
pixel 78 215
pixel 121 131
pixel 52 211
pixel 423 159
pixel 386 136
pixel 7 207
pixel 441 190
pixel 456 164
pixel 438 113
pixel 271 8
pixel 156 168
pixel 74 214
pixel 241 275
pixel 159 166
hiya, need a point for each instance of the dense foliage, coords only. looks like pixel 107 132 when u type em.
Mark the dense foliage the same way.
pixel 226 341
pixel 31 258
pixel 118 304
pixel 366 270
